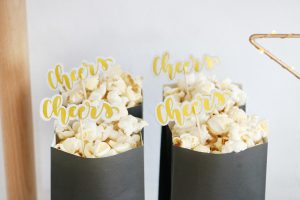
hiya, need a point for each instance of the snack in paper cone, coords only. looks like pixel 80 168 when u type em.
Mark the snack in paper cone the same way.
pixel 98 133
pixel 108 136
pixel 91 112
pixel 100 139
pixel 222 130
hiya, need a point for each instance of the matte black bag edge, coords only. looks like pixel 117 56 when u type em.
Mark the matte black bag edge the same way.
pixel 119 177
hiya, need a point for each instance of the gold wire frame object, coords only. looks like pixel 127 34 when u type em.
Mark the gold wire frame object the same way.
pixel 253 38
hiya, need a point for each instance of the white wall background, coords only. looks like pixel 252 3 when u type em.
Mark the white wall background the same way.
pixel 134 31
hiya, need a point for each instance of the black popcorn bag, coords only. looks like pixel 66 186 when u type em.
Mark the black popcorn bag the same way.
pixel 187 174
pixel 190 175
pixel 118 177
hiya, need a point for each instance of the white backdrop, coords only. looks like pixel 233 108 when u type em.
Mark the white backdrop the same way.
pixel 134 31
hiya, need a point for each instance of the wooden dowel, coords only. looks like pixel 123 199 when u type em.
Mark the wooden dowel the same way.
pixel 15 102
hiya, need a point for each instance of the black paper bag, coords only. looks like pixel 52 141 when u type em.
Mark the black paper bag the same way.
pixel 119 177
pixel 187 174
pixel 180 178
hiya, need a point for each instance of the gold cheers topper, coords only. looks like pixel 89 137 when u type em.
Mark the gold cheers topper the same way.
pixel 161 64
pixel 53 108
pixel 58 77
pixel 167 110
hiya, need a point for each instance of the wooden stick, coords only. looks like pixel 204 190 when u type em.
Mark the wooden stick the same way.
pixel 253 38
pixel 15 102
pixel 188 93
pixel 80 121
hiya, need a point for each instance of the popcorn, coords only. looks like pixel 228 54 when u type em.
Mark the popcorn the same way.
pixel 116 83
pixel 205 135
pixel 238 95
pixel 237 114
pixel 204 85
pixel 248 141
pixel 204 88
pixel 114 98
pixel 202 148
pixel 70 145
pixel 234 146
pixel 111 152
pixel 234 132
pixel 177 141
pixel 188 141
pixel 133 95
pixel 225 130
pixel 63 132
pixel 120 147
pixel 134 140
pixel 89 150
pixel 114 86
pixel 106 131
pixel 105 137
pixel 91 83
pixel 101 149
pixel 122 112
pixel 76 126
pixel 75 96
pixel 98 94
pixel 130 124
pixel 219 124
pixel 193 130
pixel 134 82
pixel 217 146
pixel 88 131
pixel 256 136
